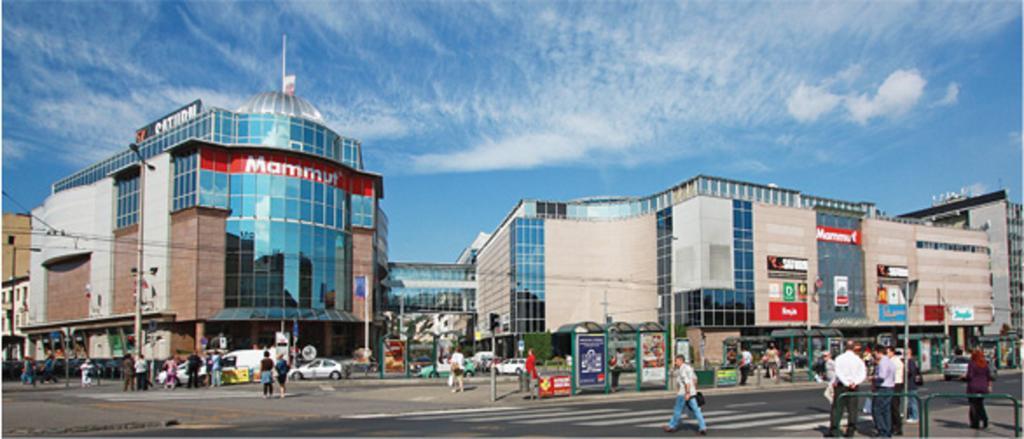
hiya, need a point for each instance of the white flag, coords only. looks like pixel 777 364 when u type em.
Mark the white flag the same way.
pixel 289 85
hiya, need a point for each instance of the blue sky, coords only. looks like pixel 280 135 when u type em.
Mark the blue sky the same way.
pixel 468 107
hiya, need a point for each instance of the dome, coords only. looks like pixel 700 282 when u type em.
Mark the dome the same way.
pixel 275 102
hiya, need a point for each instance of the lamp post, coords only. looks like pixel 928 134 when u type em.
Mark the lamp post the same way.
pixel 144 165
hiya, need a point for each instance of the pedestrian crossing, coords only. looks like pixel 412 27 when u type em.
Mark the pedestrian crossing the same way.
pixel 603 417
pixel 169 395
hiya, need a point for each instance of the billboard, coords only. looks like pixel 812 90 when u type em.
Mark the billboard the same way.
pixel 892 313
pixel 892 271
pixel 171 121
pixel 652 348
pixel 934 313
pixel 839 236
pixel 841 290
pixel 394 356
pixel 889 294
pixel 726 377
pixel 962 313
pixel 558 385
pixel 789 292
pixel 787 312
pixel 782 266
pixel 590 360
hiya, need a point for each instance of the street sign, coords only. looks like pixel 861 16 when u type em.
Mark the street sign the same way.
pixel 911 291
pixel 521 345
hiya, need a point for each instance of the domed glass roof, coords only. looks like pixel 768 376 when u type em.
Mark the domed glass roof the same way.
pixel 275 102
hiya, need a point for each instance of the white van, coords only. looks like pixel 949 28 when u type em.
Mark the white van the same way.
pixel 243 359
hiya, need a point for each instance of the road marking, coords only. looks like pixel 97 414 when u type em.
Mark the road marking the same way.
pixel 721 419
pixel 746 404
pixel 666 414
pixel 767 422
pixel 808 426
pixel 464 417
pixel 538 417
pixel 431 412
pixel 591 415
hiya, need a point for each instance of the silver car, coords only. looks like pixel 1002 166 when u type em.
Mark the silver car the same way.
pixel 955 368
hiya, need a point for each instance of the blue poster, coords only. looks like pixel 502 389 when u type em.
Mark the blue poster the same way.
pixel 892 313
pixel 590 359
pixel 360 286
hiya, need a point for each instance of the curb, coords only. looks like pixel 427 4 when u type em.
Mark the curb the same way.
pixel 90 428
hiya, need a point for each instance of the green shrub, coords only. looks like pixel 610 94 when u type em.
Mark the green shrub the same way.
pixel 540 342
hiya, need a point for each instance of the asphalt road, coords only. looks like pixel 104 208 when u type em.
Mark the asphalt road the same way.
pixel 772 413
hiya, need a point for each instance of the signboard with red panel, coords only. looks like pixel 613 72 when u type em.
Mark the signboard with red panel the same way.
pixel 558 385
pixel 286 165
pixel 838 235
pixel 934 313
pixel 787 312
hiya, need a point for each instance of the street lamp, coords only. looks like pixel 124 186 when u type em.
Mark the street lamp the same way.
pixel 138 280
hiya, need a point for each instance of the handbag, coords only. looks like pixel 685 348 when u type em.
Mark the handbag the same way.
pixel 700 399
pixel 918 380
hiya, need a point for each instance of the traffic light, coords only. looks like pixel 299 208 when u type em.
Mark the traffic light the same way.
pixel 495 321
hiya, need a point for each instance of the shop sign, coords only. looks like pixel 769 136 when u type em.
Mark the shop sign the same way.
pixel 558 385
pixel 962 313
pixel 934 313
pixel 590 360
pixel 394 356
pixel 782 266
pixel 801 291
pixel 892 313
pixel 789 292
pixel 889 294
pixel 787 312
pixel 841 290
pixel 726 377
pixel 652 348
pixel 235 376
pixel 774 291
pixel 171 121
pixel 893 271
pixel 839 236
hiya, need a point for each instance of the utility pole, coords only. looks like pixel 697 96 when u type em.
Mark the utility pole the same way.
pixel 143 166
pixel 910 289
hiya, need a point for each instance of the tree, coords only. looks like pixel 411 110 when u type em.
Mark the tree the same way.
pixel 540 342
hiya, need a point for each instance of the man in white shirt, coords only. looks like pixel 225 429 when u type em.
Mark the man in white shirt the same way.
pixel 746 361
pixel 850 373
pixel 897 412
pixel 686 398
pixel 456 362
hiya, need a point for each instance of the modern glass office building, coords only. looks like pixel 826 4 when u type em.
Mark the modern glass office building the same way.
pixel 730 258
pixel 254 219
pixel 413 288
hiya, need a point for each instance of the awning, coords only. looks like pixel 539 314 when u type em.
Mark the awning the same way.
pixel 621 327
pixel 306 314
pixel 580 327
pixel 852 322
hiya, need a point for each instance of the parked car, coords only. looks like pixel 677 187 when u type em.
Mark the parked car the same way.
pixel 319 368
pixel 512 366
pixel 444 369
pixel 482 360
pixel 955 367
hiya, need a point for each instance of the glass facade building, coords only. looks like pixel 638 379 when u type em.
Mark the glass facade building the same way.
pixel 431 288
pixel 527 258
pixel 841 263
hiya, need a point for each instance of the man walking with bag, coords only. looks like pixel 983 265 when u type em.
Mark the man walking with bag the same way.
pixel 850 373
pixel 686 397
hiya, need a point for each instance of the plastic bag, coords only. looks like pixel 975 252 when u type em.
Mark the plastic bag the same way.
pixel 451 379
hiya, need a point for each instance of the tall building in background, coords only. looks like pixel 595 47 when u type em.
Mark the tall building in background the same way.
pixel 255 219
pixel 1000 218
pixel 17 245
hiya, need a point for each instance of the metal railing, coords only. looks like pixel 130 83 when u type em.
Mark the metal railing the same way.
pixel 836 418
pixel 1016 407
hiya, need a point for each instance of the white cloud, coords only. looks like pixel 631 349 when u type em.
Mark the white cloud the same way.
pixel 808 103
pixel 952 94
pixel 897 95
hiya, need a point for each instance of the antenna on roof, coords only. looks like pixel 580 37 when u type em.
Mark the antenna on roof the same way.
pixel 287 81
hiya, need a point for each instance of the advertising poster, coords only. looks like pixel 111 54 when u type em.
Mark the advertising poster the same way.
pixel 653 347
pixel 394 356
pixel 789 292
pixel 962 313
pixel 590 360
pixel 726 377
pixel 774 292
pixel 934 313
pixel 841 289
pixel 889 294
pixel 787 312
pixel 683 348
pixel 801 291
pixel 559 385
pixel 116 348
pixel 235 376
pixel 892 313
pixel 625 343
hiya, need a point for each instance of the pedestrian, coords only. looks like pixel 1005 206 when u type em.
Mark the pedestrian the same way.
pixel 746 362
pixel 456 361
pixel 617 363
pixel 128 372
pixel 979 381
pixel 141 372
pixel 267 375
pixel 171 373
pixel 773 361
pixel 830 367
pixel 214 369
pixel 531 373
pixel 896 357
pixel 869 362
pixel 28 373
pixel 208 362
pixel 686 397
pixel 914 379
pixel 282 368
pixel 884 382
pixel 48 366
pixel 192 368
pixel 86 369
pixel 850 372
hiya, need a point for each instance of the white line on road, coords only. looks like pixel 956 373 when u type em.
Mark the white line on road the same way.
pixel 467 416
pixel 807 426
pixel 431 412
pixel 518 417
pixel 665 414
pixel 716 420
pixel 767 422
pixel 588 415
pixel 746 404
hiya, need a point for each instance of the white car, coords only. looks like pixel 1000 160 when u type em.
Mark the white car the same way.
pixel 182 374
pixel 323 368
pixel 512 366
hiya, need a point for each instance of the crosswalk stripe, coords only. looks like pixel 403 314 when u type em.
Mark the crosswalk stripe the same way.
pixel 807 426
pixel 767 422
pixel 665 415
pixel 719 419
pixel 534 416
pixel 433 412
pixel 462 417
pixel 586 416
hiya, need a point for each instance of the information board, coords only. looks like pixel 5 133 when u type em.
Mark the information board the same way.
pixel 590 360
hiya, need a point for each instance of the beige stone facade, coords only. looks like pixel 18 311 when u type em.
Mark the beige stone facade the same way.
pixel 17 245
pixel 783 232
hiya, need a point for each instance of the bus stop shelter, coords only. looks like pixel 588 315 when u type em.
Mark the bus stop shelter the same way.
pixel 997 343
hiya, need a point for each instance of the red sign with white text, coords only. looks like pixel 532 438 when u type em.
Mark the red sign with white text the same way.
pixel 837 235
pixel 558 385
pixel 787 312
pixel 285 165
pixel 934 313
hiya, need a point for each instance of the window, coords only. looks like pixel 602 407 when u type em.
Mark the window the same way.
pixel 184 181
pixel 127 202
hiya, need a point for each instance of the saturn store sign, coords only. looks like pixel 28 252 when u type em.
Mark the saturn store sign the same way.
pixel 786 267
pixel 171 121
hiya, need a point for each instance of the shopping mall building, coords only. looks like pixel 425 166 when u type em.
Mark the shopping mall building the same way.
pixel 254 220
pixel 732 259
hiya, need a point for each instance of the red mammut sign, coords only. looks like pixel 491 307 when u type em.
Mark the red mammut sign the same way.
pixel 837 235
pixel 787 312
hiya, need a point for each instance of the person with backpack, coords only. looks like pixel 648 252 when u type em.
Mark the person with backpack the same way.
pixel 282 368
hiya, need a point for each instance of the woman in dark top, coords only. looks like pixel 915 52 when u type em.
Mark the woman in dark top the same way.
pixel 267 375
pixel 979 380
